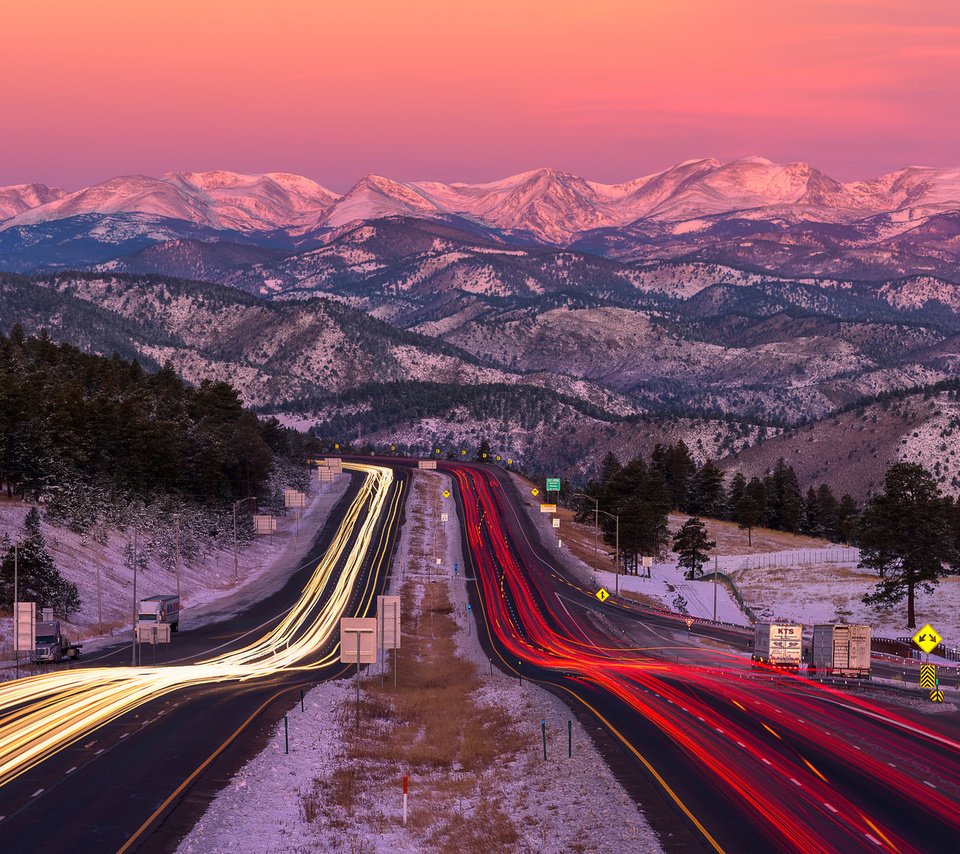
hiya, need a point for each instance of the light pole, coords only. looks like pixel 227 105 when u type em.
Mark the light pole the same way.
pixel 596 523
pixel 616 548
pixel 236 569
pixel 133 647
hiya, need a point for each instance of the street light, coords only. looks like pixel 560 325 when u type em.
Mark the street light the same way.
pixel 596 523
pixel 236 504
pixel 616 548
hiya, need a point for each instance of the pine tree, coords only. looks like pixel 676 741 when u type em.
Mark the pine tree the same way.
pixel 38 579
pixel 692 546
pixel 906 535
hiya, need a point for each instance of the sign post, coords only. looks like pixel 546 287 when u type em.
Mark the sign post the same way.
pixel 362 650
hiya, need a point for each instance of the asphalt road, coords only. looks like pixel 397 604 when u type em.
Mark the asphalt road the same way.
pixel 140 782
pixel 741 760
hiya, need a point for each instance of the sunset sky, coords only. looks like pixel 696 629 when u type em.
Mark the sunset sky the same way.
pixel 473 91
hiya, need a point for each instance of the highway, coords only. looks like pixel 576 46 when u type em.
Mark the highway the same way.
pixel 742 760
pixel 117 758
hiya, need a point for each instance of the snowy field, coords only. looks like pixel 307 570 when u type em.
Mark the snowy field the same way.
pixel 207 586
pixel 559 805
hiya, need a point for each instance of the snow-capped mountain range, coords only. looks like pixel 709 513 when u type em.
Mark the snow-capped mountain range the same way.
pixel 552 206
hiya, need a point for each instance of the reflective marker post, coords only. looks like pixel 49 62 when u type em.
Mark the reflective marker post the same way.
pixel 404 800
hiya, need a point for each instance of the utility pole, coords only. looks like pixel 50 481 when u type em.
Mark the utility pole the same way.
pixel 176 554
pixel 596 523
pixel 133 647
pixel 99 598
pixel 714 588
pixel 236 569
pixel 16 610
pixel 616 557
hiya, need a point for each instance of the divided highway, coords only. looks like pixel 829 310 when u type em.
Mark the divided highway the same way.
pixel 97 758
pixel 748 760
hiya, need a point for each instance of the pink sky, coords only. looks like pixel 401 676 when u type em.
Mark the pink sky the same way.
pixel 609 89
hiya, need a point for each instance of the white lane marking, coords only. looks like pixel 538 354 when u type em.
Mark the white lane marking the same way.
pixel 38 792
pixel 89 744
pixel 124 735
pixel 577 624
pixel 99 751
pixel 873 839
pixel 928 735
pixel 796 781
pixel 70 771
pixel 742 745
pixel 764 758
pixel 928 783
pixel 719 730
pixel 831 807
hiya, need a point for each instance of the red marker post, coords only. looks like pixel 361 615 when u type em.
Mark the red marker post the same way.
pixel 404 800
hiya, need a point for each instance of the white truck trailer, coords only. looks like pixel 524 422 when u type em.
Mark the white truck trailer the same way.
pixel 841 650
pixel 160 609
pixel 778 645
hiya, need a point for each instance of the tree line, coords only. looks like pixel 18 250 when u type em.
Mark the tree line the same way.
pixel 909 532
pixel 98 442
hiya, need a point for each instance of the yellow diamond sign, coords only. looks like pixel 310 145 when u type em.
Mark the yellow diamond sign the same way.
pixel 927 639
pixel 534 492
pixel 602 594
pixel 446 493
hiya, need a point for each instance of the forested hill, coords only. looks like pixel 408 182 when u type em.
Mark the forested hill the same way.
pixel 73 420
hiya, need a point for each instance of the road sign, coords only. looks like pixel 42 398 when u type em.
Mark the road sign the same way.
pixel 936 696
pixel 509 462
pixel 927 639
pixel 444 517
pixel 556 523
pixel 689 622
pixel 358 637
pixel 436 450
pixel 484 454
pixel 265 524
pixel 548 508
pixel 336 446
pixel 153 633
pixel 534 492
pixel 427 464
pixel 498 458
pixel 293 498
pixel 602 594
pixel 388 615
pixel 25 630
pixel 463 453
pixel 446 493
pixel 646 562
pixel 928 675
pixel 553 484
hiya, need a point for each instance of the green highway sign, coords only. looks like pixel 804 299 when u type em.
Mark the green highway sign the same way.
pixel 553 484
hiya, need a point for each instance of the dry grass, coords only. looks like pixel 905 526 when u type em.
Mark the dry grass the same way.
pixel 431 727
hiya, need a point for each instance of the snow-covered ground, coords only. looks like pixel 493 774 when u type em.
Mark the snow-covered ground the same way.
pixel 207 587
pixel 559 805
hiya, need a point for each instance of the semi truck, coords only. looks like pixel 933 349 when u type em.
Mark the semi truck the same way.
pixel 840 650
pixel 778 645
pixel 51 645
pixel 160 609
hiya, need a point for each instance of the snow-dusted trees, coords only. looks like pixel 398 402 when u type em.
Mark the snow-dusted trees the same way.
pixel 38 579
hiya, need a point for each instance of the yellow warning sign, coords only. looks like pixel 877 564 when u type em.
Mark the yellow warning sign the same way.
pixel 927 639
pixel 602 594
pixel 534 492
pixel 928 675
pixel 509 462
pixel 446 493
pixel 936 696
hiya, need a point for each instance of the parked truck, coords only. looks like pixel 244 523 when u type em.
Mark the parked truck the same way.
pixel 778 645
pixel 52 646
pixel 840 650
pixel 160 609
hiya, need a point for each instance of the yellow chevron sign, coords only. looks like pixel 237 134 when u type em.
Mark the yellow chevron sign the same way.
pixel 936 696
pixel 928 675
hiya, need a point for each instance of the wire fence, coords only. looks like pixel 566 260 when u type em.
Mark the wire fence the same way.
pixel 801 557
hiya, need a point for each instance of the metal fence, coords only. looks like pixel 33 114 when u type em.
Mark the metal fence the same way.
pixel 801 557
